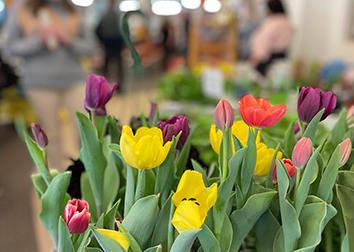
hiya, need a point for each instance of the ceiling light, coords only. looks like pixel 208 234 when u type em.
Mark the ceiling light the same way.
pixel 166 7
pixel 129 5
pixel 212 6
pixel 191 4
pixel 83 3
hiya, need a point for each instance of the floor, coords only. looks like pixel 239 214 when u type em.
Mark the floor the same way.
pixel 17 232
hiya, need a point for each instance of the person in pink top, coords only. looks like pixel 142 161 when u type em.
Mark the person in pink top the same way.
pixel 272 39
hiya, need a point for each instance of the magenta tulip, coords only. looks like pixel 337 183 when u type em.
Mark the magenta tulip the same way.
pixel 77 215
pixel 39 135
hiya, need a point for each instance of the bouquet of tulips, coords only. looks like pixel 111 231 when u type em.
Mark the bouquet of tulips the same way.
pixel 138 194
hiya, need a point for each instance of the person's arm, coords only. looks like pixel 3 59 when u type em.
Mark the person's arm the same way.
pixel 261 43
pixel 17 43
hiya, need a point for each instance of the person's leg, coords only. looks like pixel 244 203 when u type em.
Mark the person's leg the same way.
pixel 73 101
pixel 46 104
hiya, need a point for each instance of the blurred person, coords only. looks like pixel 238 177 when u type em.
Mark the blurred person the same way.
pixel 272 39
pixel 49 37
pixel 109 35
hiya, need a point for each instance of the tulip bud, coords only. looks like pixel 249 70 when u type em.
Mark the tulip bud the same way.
pixel 77 215
pixel 173 126
pixel 152 114
pixel 224 114
pixel 296 128
pixel 39 135
pixel 345 150
pixel 302 151
pixel 290 169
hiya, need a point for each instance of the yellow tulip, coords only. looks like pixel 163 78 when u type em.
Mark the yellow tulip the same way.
pixel 239 129
pixel 264 159
pixel 145 149
pixel 117 236
pixel 193 201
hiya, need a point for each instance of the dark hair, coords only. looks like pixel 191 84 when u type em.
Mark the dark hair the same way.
pixel 35 5
pixel 276 7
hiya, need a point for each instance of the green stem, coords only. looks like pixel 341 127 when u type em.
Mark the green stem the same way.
pixel 328 239
pixel 93 117
pixel 226 153
pixel 301 126
pixel 129 190
pixel 140 186
pixel 297 181
pixel 170 236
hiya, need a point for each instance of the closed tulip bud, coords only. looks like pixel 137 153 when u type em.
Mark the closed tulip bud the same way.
pixel 290 169
pixel 345 150
pixel 39 135
pixel 152 113
pixel 77 215
pixel 98 93
pixel 302 151
pixel 173 126
pixel 224 114
pixel 313 100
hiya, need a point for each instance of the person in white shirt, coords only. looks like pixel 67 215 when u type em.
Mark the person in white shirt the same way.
pixel 272 39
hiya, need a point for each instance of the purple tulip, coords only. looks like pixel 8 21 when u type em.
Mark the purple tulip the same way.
pixel 98 93
pixel 39 135
pixel 173 126
pixel 312 100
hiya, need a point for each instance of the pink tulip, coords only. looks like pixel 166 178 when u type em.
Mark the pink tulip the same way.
pixel 224 114
pixel 77 215
pixel 345 150
pixel 302 151
pixel 39 135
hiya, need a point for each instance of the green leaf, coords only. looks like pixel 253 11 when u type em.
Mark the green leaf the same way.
pixel 38 156
pixel 129 189
pixel 106 243
pixel 64 239
pixel 289 140
pixel 225 239
pixel 161 227
pixel 208 241
pixel 111 176
pixel 184 241
pixel 109 217
pixel 267 227
pixel 245 218
pixel 290 229
pixel 157 248
pixel 88 195
pixel 346 178
pixel 133 244
pixel 39 184
pixel 346 199
pixel 89 249
pixel 312 126
pixel 53 203
pixel 197 167
pixel 83 241
pixel 141 219
pixel 329 176
pixel 184 153
pixel 339 129
pixel 113 129
pixel 306 180
pixel 101 122
pixel 91 155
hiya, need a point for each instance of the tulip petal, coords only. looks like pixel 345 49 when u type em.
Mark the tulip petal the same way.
pixel 187 216
pixel 117 236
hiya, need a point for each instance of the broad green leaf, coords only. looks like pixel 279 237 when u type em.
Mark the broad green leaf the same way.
pixel 225 239
pixel 101 122
pixel 312 126
pixel 88 195
pixel 39 184
pixel 133 244
pixel 129 190
pixel 91 155
pixel 306 180
pixel 111 176
pixel 245 218
pixel 346 199
pixel 184 153
pixel 53 203
pixel 141 219
pixel 106 243
pixel 289 140
pixel 329 176
pixel 197 167
pixel 38 156
pixel 161 227
pixel 290 229
pixel 339 129
pixel 184 241
pixel 157 248
pixel 267 227
pixel 346 178
pixel 109 217
pixel 82 242
pixel 64 239
pixel 89 249
pixel 208 240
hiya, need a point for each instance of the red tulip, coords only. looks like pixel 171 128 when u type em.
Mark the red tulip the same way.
pixel 259 113
pixel 77 215
pixel 302 151
pixel 224 114
pixel 290 169
pixel 345 150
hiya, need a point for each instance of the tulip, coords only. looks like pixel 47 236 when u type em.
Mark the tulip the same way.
pixel 98 93
pixel 173 126
pixel 302 151
pixel 145 149
pixel 77 215
pixel 259 113
pixel 152 113
pixel 117 236
pixel 312 100
pixel 39 135
pixel 264 159
pixel 224 114
pixel 239 129
pixel 290 169
pixel 345 148
pixel 193 201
